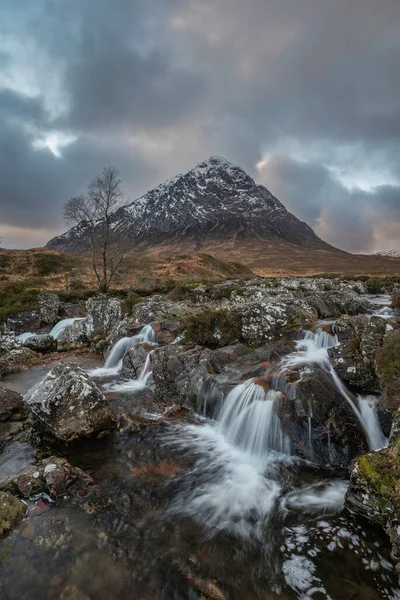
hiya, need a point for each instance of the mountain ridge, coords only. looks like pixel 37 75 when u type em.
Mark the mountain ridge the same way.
pixel 214 200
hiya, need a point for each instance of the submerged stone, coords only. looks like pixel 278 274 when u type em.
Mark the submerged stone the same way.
pixel 12 511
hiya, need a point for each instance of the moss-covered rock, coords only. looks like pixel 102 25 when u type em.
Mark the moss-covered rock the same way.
pixel 215 328
pixel 388 367
pixel 374 491
pixel 12 511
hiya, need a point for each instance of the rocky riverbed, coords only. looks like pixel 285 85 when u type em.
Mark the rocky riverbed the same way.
pixel 234 441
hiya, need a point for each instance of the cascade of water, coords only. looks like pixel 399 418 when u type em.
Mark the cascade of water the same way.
pixel 248 419
pixel 22 337
pixel 370 421
pixel 59 327
pixel 113 363
pixel 314 349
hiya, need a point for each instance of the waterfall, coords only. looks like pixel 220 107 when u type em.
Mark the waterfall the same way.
pixel 132 385
pixel 59 327
pixel 369 417
pixel 113 363
pixel 248 419
pixel 22 337
pixel 314 349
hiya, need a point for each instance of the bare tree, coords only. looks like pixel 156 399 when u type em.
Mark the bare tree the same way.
pixel 94 211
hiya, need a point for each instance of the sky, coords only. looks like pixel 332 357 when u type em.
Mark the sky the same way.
pixel 303 94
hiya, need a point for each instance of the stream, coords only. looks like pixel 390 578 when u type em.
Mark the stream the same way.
pixel 218 508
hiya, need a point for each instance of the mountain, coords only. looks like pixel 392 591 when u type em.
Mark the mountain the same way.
pixel 394 253
pixel 214 201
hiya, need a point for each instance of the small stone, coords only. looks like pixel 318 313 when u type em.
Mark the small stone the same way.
pixel 27 530
pixel 56 580
pixel 12 511
pixel 397 568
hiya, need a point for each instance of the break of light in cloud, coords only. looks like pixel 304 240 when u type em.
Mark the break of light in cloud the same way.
pixel 305 96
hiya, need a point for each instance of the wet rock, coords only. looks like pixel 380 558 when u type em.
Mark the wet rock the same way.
pixel 69 403
pixel 388 369
pixel 319 421
pixel 12 511
pixel 180 376
pixel 12 406
pixel 71 592
pixel 354 358
pixel 103 314
pixel 49 308
pixel 73 336
pixel 374 491
pixel 57 478
pixel 229 354
pixel 18 360
pixel 42 343
pixel 134 360
pixel 27 320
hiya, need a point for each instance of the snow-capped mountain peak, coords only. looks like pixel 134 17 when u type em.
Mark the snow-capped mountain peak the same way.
pixel 214 200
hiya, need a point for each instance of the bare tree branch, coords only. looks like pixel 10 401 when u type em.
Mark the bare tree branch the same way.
pixel 94 212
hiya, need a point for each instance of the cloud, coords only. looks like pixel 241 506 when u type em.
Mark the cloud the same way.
pixel 310 88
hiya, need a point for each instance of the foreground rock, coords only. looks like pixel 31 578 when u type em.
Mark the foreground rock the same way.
pixel 18 359
pixel 12 405
pixel 56 477
pixel 185 377
pixel 12 511
pixel 69 404
pixel 374 491
pixel 42 343
pixel 354 358
pixel 319 421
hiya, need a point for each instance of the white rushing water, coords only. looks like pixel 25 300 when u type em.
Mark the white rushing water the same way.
pixel 61 326
pixel 314 349
pixel 113 363
pixel 132 385
pixel 24 336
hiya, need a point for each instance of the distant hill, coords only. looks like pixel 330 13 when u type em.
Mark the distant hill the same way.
pixel 215 201
pixel 394 253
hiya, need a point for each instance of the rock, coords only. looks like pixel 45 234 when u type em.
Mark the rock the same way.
pixel 18 360
pixel 49 308
pixel 71 592
pixel 73 336
pixel 134 361
pixel 374 491
pixel 69 404
pixel 12 511
pixel 27 320
pixel 354 358
pixel 263 322
pixel 42 343
pixel 229 354
pixel 12 405
pixel 182 376
pixel 103 314
pixel 388 369
pixel 310 398
pixel 73 310
pixel 56 477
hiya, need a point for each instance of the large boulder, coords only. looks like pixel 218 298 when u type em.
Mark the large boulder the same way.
pixel 134 361
pixel 374 491
pixel 27 320
pixel 42 343
pixel 49 308
pixel 73 310
pixel 354 358
pixel 69 403
pixel 103 315
pixel 12 405
pixel 320 422
pixel 184 376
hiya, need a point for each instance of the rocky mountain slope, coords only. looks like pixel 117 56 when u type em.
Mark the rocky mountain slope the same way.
pixel 393 253
pixel 214 201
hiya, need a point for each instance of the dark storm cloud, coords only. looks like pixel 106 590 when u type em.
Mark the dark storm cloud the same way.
pixel 155 87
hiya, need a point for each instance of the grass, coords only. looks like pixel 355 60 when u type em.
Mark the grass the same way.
pixel 18 296
pixel 214 328
pixel 382 472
